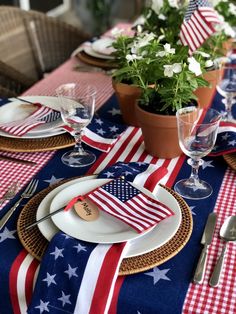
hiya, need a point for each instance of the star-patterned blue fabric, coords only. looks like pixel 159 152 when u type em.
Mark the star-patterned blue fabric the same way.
pixel 60 275
pixel 165 286
pixel 128 170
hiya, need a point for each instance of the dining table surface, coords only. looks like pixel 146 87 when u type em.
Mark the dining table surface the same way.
pixel 164 288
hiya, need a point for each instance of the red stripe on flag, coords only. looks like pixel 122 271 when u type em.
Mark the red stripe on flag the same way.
pixel 29 281
pixel 102 146
pixel 13 281
pixel 155 177
pixel 114 302
pixel 102 291
pixel 176 170
pixel 122 148
pixel 134 149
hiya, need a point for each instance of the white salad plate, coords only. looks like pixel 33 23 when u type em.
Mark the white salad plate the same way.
pixel 103 46
pixel 145 243
pixel 105 229
pixel 17 109
pixel 89 50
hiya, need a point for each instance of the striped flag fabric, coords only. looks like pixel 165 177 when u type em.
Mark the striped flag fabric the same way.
pixel 198 24
pixel 23 126
pixel 122 200
pixel 226 139
pixel 69 281
pixel 100 133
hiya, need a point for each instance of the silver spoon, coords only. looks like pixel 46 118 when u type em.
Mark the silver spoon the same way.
pixel 227 233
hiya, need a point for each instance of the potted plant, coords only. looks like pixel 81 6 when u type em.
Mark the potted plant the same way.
pixel 167 78
pixel 164 18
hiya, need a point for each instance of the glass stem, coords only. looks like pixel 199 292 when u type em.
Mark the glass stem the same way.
pixel 195 164
pixel 78 142
pixel 228 106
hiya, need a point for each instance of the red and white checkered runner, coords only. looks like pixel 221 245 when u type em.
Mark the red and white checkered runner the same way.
pixel 222 299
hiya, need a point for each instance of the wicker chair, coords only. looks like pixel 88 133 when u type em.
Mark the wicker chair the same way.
pixel 31 44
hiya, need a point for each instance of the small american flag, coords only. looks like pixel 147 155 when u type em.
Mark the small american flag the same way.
pixel 198 24
pixel 23 126
pixel 125 202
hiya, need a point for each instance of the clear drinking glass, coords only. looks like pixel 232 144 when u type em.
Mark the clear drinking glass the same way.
pixel 77 104
pixel 197 131
pixel 227 88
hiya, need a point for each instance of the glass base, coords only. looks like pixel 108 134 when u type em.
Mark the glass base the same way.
pixel 192 189
pixel 75 159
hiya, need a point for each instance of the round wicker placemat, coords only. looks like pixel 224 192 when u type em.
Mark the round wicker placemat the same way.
pixel 34 242
pixel 37 144
pixel 105 64
pixel 231 160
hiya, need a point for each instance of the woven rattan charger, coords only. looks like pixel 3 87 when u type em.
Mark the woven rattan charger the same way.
pixel 36 144
pixel 34 242
pixel 231 160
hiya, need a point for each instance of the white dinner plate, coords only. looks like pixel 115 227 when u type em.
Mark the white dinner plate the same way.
pixel 89 50
pixel 19 109
pixel 103 46
pixel 157 237
pixel 105 229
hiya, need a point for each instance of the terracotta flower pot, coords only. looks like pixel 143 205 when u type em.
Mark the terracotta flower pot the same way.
pixel 160 133
pixel 206 94
pixel 127 96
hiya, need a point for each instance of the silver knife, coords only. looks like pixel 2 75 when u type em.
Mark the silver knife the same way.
pixel 206 241
pixel 44 218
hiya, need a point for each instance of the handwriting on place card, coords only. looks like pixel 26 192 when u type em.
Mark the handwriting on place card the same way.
pixel 86 210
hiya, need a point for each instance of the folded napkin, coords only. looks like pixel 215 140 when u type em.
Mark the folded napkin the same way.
pixel 122 200
pixel 41 115
pixel 226 139
pixel 79 277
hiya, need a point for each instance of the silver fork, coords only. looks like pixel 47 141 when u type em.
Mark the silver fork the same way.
pixel 10 193
pixel 28 192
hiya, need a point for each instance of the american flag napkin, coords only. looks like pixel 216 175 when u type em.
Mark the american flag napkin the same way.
pixel 198 24
pixel 21 127
pixel 226 139
pixel 122 200
pixel 100 133
pixel 79 277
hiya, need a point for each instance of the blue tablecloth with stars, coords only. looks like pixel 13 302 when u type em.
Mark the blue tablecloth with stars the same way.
pixel 160 290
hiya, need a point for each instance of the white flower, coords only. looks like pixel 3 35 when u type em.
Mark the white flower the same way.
pixel 194 66
pixel 143 41
pixel 132 57
pixel 209 63
pixel 170 69
pixel 232 9
pixel 139 29
pixel 161 37
pixel 167 50
pixel 202 53
pixel 157 5
pixel 162 17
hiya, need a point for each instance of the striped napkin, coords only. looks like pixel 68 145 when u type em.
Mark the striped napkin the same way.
pixel 41 115
pixel 79 277
pixel 127 203
pixel 122 200
pixel 100 134
pixel 226 139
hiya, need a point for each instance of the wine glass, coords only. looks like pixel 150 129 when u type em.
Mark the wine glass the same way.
pixel 77 103
pixel 227 88
pixel 197 131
